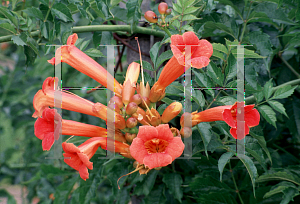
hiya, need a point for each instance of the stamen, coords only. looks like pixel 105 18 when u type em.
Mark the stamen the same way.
pixel 142 70
pixel 141 167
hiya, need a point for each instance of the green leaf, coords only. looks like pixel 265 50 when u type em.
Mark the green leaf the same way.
pixel 218 55
pixel 34 12
pixel 8 27
pixel 63 190
pixel 198 97
pixel 62 12
pixel 84 44
pixel 134 13
pixel 30 55
pixel 220 47
pixel 288 189
pixel 208 185
pixel 102 6
pixel 231 69
pixel 262 142
pixel 250 73
pixel 216 198
pixel 215 73
pixel 251 168
pixel 33 44
pixel 206 134
pixel 260 17
pixel 203 81
pixel 278 16
pixel 163 57
pixel 228 2
pixel 20 39
pixel 268 89
pixel 146 65
pixel 268 114
pixel 212 26
pixel 261 41
pixel 247 54
pixel 278 107
pixel 154 51
pixel 257 156
pixel 9 15
pixel 173 182
pixel 177 8
pixel 45 29
pixel 156 196
pixel 145 187
pixel 189 17
pixel 92 52
pixel 223 161
pixel 280 175
pixel 190 9
pixel 284 92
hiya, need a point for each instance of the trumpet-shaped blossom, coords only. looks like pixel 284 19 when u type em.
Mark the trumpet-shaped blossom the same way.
pixel 74 57
pixel 156 146
pixel 47 128
pixel 200 52
pixel 46 97
pixel 229 115
pixel 79 157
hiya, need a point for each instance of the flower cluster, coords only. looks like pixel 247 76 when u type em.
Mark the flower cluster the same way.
pixel 140 132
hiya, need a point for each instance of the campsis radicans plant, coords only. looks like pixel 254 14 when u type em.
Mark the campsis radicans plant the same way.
pixel 140 132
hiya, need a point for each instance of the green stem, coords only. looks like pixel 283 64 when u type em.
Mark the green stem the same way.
pixel 213 100
pixel 251 99
pixel 245 23
pixel 167 31
pixel 92 28
pixel 236 188
pixel 48 12
pixel 289 66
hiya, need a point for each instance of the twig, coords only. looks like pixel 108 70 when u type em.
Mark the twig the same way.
pixel 236 188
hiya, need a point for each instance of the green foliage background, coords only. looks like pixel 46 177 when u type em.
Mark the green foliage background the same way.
pixel 268 174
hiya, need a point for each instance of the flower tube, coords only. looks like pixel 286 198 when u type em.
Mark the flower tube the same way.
pixel 74 57
pixel 201 51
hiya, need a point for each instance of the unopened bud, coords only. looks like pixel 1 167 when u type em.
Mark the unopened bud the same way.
pixel 131 122
pixel 116 100
pixel 119 136
pixel 175 132
pixel 114 107
pixel 136 99
pixel 145 100
pixel 157 93
pixel 131 108
pixel 129 137
pixel 140 115
pixel 186 132
pixel 153 117
pixel 168 11
pixel 171 112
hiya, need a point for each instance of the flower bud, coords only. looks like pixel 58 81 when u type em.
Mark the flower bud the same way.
pixel 168 11
pixel 157 93
pixel 147 101
pixel 131 108
pixel 140 115
pixel 186 132
pixel 188 118
pixel 129 85
pixel 151 17
pixel 171 112
pixel 129 137
pixel 153 117
pixel 136 99
pixel 135 164
pixel 114 107
pixel 116 100
pixel 175 132
pixel 119 136
pixel 162 8
pixel 131 122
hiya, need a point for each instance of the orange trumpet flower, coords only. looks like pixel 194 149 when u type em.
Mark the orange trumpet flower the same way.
pixel 74 57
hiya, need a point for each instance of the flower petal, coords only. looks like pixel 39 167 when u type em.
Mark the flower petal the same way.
pixel 147 133
pixel 138 150
pixel 227 117
pixel 164 133
pixel 85 160
pixel 252 118
pixel 200 62
pixel 157 160
pixel 48 141
pixel 178 54
pixel 72 160
pixel 72 39
pixel 177 40
pixel 190 38
pixel 204 49
pixel 175 148
pixel 41 126
pixel 233 132
pixel 83 172
pixel 70 148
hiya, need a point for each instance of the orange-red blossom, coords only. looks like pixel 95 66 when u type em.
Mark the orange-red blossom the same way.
pixel 74 57
pixel 201 51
